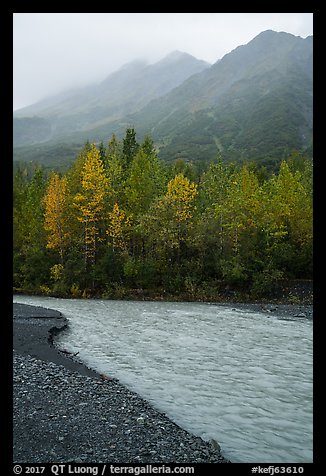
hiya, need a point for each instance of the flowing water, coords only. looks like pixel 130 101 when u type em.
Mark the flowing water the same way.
pixel 217 371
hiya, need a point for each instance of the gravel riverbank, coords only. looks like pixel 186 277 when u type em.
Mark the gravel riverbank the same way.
pixel 65 412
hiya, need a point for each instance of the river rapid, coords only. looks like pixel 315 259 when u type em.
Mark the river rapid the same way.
pixel 241 377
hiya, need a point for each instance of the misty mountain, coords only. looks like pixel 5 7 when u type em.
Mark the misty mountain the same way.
pixel 254 103
pixel 122 92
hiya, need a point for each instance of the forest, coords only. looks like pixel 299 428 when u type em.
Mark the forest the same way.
pixel 120 223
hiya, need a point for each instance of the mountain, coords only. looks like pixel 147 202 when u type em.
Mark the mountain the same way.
pixel 123 92
pixel 254 103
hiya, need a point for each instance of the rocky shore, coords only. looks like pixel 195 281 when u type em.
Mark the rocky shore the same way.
pixel 65 412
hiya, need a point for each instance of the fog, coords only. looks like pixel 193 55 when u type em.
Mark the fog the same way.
pixel 53 52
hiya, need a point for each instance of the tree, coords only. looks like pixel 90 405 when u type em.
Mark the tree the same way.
pixel 20 187
pixel 102 151
pixel 34 210
pixel 288 220
pixel 180 196
pixel 74 172
pixel 169 219
pixel 30 257
pixel 130 146
pixel 119 226
pixel 215 187
pixel 55 215
pixel 242 206
pixel 145 181
pixel 114 148
pixel 90 202
pixel 115 171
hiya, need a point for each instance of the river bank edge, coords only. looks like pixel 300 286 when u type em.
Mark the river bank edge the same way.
pixel 37 407
pixel 295 292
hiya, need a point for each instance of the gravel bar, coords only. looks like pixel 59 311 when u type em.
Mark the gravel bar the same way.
pixel 65 412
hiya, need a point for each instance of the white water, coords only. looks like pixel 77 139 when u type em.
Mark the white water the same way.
pixel 219 372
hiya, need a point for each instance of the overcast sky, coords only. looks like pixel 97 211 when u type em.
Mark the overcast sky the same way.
pixel 53 52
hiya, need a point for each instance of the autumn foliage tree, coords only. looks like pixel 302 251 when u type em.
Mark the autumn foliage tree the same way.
pixel 90 202
pixel 118 228
pixel 56 221
pixel 168 222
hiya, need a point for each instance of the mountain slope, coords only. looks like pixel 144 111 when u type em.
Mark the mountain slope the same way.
pixel 257 100
pixel 254 103
pixel 123 92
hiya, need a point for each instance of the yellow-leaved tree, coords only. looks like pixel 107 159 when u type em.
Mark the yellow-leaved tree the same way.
pixel 169 220
pixel 55 214
pixel 119 225
pixel 180 197
pixel 90 202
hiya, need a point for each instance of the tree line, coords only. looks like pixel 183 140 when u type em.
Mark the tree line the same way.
pixel 120 222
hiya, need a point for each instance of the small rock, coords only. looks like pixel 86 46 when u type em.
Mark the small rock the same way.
pixel 214 444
